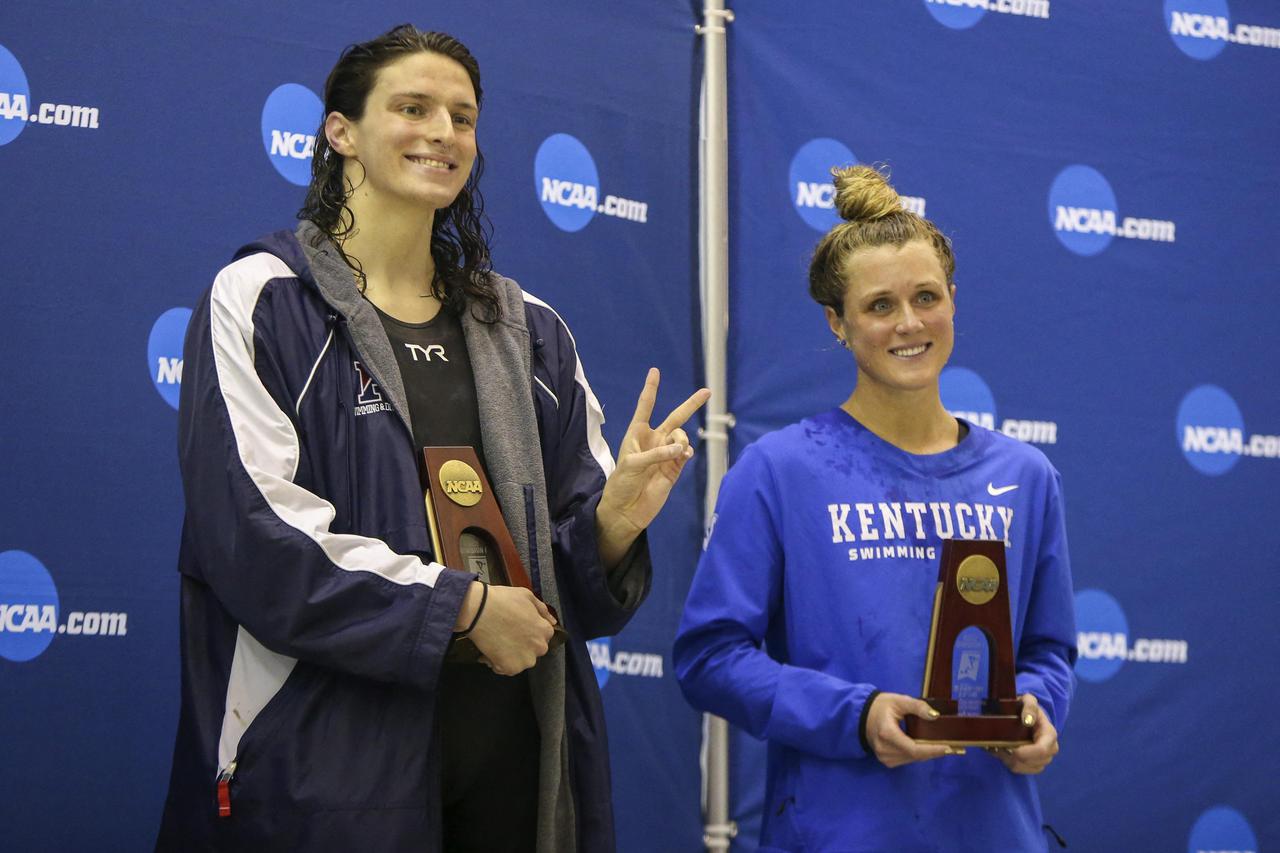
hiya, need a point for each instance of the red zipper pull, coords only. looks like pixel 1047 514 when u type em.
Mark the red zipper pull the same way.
pixel 224 790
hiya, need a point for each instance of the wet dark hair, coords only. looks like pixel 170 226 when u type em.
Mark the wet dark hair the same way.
pixel 460 232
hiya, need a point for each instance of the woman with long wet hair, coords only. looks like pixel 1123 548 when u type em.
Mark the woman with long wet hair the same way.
pixel 319 711
pixel 809 615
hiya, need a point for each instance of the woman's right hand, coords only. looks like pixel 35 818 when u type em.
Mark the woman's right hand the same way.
pixel 513 630
pixel 887 739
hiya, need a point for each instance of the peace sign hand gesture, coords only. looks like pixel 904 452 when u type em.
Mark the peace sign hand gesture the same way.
pixel 650 460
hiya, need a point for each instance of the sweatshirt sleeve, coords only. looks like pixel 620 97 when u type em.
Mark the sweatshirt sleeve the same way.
pixel 734 607
pixel 261 541
pixel 1047 650
pixel 577 461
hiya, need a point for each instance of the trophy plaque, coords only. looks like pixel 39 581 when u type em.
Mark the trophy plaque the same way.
pixel 972 593
pixel 468 531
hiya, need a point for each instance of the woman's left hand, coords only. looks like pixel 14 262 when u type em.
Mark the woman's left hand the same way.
pixel 650 460
pixel 1033 757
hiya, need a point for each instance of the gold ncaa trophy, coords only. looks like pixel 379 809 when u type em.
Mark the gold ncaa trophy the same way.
pixel 468 531
pixel 971 592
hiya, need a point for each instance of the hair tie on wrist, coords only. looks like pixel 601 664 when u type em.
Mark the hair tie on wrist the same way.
pixel 484 598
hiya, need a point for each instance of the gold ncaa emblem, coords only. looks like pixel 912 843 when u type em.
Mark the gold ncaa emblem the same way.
pixel 460 482
pixel 977 579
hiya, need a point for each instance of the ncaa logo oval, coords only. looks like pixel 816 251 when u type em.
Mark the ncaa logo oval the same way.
pixel 1082 210
pixel 28 607
pixel 566 181
pixel 810 182
pixel 601 652
pixel 1210 430
pixel 1103 635
pixel 290 118
pixel 1222 828
pixel 1199 28
pixel 966 395
pixel 15 97
pixel 956 14
pixel 164 352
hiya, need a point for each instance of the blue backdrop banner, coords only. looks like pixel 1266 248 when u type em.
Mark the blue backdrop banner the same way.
pixel 140 145
pixel 1108 175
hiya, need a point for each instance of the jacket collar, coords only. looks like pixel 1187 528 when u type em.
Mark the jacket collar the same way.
pixel 322 266
pixel 500 363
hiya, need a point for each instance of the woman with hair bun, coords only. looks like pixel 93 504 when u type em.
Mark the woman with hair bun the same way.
pixel 318 709
pixel 809 615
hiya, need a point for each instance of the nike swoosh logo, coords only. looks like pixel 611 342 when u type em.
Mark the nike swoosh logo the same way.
pixel 995 493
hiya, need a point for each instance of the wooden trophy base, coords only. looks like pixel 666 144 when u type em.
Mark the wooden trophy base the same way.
pixel 469 533
pixel 976 730
pixel 972 593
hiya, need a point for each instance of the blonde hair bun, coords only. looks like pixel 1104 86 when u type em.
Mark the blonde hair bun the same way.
pixel 863 194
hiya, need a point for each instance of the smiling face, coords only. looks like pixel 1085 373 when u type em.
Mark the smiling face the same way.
pixel 416 141
pixel 897 318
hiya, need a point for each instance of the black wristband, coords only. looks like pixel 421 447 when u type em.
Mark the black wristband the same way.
pixel 484 598
pixel 862 722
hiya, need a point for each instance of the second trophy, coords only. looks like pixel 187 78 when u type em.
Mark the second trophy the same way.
pixel 468 531
pixel 972 592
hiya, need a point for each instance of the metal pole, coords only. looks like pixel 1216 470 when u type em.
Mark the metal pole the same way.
pixel 714 250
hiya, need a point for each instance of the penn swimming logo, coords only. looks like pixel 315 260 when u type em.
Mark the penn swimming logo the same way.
pixel 1222 829
pixel 963 14
pixel 15 95
pixel 1083 214
pixel 290 118
pixel 28 607
pixel 164 352
pixel 568 186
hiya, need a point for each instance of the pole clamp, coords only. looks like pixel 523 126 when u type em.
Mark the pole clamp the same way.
pixel 718 426
pixel 718 835
pixel 725 15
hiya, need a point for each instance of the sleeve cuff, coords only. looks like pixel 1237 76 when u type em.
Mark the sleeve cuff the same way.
pixel 611 595
pixel 628 581
pixel 437 627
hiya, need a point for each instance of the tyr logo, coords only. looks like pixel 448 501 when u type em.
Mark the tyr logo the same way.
pixel 427 351
pixel 369 392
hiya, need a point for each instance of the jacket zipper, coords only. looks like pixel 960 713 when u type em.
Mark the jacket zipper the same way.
pixel 224 789
pixel 531 527
pixel 347 401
